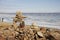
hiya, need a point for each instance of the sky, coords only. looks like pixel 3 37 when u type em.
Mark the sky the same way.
pixel 30 6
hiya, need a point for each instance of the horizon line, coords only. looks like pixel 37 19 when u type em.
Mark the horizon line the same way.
pixel 29 12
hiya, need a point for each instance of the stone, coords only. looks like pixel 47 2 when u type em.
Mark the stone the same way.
pixel 22 25
pixel 40 34
pixel 26 38
pixel 43 30
pixel 55 35
pixel 34 24
pixel 15 25
pixel 35 27
pixel 10 38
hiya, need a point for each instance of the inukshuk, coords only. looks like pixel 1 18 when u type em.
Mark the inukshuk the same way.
pixel 19 18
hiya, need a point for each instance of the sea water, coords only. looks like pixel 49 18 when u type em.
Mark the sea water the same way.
pixel 51 20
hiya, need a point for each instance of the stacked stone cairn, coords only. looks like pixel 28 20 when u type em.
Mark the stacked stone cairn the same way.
pixel 19 31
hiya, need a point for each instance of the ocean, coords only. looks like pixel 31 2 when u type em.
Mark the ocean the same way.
pixel 51 20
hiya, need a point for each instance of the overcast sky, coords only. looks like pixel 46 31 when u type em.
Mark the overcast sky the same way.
pixel 30 6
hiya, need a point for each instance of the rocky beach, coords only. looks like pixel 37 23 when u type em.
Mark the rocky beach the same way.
pixel 17 30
